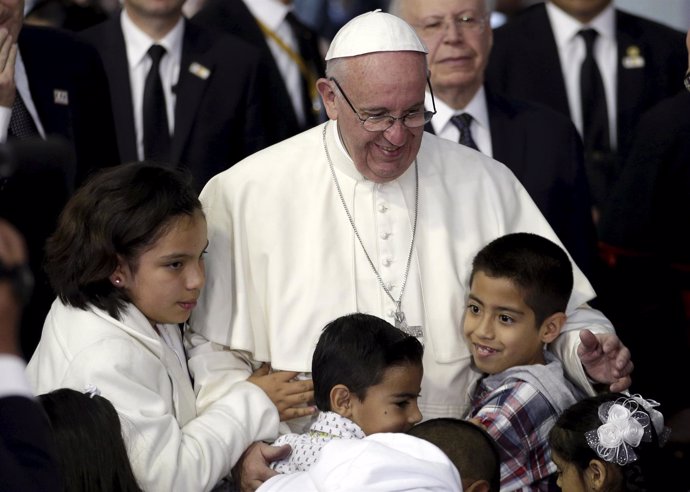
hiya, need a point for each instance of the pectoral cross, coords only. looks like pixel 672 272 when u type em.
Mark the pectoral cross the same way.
pixel 401 323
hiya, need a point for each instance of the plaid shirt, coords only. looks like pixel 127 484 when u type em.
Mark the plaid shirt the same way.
pixel 519 418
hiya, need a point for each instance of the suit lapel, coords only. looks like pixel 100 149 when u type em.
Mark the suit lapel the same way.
pixel 546 61
pixel 631 81
pixel 507 140
pixel 196 70
pixel 114 56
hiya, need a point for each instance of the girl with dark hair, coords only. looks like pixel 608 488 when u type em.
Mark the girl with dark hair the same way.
pixel 127 264
pixel 88 440
pixel 609 443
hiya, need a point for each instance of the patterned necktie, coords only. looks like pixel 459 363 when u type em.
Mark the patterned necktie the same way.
pixel 156 132
pixel 463 122
pixel 22 125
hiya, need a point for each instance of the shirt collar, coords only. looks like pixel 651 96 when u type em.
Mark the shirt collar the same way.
pixel 137 42
pixel 565 27
pixel 477 108
pixel 270 12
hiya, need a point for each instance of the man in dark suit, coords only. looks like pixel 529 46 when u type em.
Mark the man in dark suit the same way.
pixel 645 244
pixel 540 146
pixel 640 62
pixel 211 86
pixel 290 50
pixel 27 461
pixel 52 85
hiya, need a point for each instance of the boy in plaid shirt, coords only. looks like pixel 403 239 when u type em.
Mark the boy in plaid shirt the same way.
pixel 519 289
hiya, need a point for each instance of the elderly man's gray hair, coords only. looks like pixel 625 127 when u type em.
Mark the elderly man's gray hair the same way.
pixel 395 7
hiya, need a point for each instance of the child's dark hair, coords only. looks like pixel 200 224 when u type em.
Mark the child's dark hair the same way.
pixel 355 350
pixel 567 439
pixel 88 439
pixel 471 449
pixel 538 267
pixel 119 212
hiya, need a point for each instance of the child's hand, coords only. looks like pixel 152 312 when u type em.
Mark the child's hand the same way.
pixel 291 397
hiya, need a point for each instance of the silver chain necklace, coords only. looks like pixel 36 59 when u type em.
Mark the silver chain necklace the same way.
pixel 400 321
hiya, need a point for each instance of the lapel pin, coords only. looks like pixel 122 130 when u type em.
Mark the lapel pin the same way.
pixel 61 97
pixel 199 70
pixel 633 58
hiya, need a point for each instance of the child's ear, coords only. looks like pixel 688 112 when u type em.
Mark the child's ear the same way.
pixel 478 486
pixel 341 400
pixel 120 275
pixel 551 327
pixel 596 474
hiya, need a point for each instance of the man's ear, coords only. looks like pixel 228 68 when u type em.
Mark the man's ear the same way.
pixel 327 92
pixel 551 327
pixel 596 475
pixel 341 400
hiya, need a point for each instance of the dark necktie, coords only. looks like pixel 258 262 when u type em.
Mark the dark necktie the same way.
pixel 309 73
pixel 463 122
pixel 22 125
pixel 156 133
pixel 595 121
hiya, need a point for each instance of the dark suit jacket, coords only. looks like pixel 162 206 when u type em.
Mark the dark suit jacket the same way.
pixel 27 460
pixel 234 17
pixel 524 63
pixel 59 61
pixel 650 199
pixel 218 120
pixel 544 151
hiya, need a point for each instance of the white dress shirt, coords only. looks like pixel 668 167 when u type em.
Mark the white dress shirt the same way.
pixel 272 13
pixel 138 43
pixel 14 381
pixel 21 81
pixel 571 50
pixel 477 108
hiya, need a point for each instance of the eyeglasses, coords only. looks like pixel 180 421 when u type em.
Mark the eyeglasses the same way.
pixel 381 123
pixel 465 23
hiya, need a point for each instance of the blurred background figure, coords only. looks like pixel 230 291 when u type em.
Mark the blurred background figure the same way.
pixel 291 54
pixel 27 456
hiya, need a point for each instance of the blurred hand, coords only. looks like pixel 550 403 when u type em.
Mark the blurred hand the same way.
pixel 8 57
pixel 291 397
pixel 605 359
pixel 253 467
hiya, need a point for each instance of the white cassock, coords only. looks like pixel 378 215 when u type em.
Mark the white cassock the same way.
pixel 283 260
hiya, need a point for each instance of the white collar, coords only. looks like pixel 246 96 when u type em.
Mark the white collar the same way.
pixel 137 42
pixel 565 27
pixel 270 12
pixel 477 107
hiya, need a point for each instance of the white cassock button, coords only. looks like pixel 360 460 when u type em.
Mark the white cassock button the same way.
pixel 387 262
pixel 383 207
pixel 385 235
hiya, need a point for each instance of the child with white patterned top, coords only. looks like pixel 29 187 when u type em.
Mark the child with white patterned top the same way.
pixel 367 376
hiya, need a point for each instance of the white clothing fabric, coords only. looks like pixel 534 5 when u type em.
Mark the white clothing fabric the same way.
pixel 137 43
pixel 306 448
pixel 283 261
pixel 171 445
pixel 480 127
pixel 571 51
pixel 386 462
pixel 21 82
pixel 13 381
pixel 272 14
